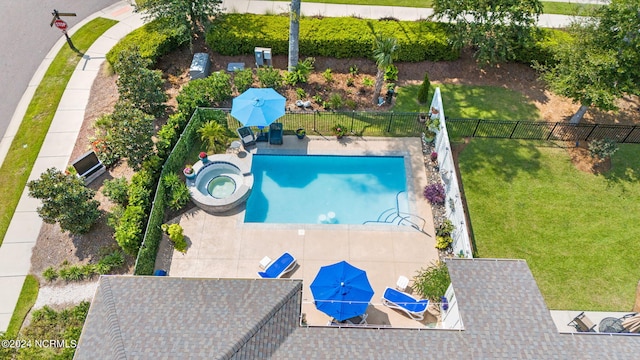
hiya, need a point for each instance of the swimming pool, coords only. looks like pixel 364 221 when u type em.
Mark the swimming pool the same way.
pixel 311 189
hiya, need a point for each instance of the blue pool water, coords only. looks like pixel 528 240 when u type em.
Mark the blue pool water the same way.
pixel 304 189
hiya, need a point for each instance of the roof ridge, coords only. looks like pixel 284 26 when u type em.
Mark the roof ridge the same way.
pixel 115 334
pixel 262 322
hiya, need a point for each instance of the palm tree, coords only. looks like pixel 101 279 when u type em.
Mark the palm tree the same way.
pixel 294 34
pixel 383 54
pixel 213 133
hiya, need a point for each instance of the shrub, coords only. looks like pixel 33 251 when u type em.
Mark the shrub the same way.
pixel 443 234
pixel 300 74
pixel 432 282
pixel 423 91
pixel 243 79
pixel 176 191
pixel 350 104
pixel 207 92
pixel 435 193
pixel 301 93
pixel 328 76
pixel 602 148
pixel 169 133
pixel 239 34
pixel 350 81
pixel 130 230
pixel 177 237
pixel 111 261
pixel 317 99
pixel 50 274
pixel 154 40
pixel 214 135
pixel 434 156
pixel 543 49
pixel 391 73
pixel 269 78
pixel 140 189
pixel 73 273
pixel 335 102
pixel 368 81
pixel 117 190
pixel 353 70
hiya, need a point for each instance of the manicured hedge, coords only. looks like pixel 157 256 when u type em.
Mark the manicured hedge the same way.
pixel 145 262
pixel 346 37
pixel 154 40
pixel 543 49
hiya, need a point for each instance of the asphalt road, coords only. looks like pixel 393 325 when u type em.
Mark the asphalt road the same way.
pixel 26 38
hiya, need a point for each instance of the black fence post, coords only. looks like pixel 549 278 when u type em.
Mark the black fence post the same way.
pixel 629 134
pixel 514 129
pixel 390 121
pixel 591 132
pixel 552 130
pixel 352 119
pixel 476 129
pixel 315 127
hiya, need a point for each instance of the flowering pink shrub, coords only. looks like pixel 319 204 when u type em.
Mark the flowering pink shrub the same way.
pixel 435 194
pixel 434 156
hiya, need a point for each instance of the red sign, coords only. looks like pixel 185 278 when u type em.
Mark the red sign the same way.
pixel 60 24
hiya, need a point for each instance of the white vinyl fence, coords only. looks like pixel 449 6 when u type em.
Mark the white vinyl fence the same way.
pixel 453 205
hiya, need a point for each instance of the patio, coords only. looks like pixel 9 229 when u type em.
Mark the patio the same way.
pixel 226 247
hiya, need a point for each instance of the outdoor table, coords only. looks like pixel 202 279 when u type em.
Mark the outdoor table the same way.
pixel 611 325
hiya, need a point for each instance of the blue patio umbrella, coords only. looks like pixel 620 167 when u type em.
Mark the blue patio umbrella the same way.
pixel 258 107
pixel 341 291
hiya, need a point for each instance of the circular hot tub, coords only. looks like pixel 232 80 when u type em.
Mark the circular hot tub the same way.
pixel 220 185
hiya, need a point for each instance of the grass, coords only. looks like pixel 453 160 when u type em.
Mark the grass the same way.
pixel 472 102
pixel 34 127
pixel 27 298
pixel 561 8
pixel 577 231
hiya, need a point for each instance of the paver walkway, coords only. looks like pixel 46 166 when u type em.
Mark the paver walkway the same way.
pixel 15 252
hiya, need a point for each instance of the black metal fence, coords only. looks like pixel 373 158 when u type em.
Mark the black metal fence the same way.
pixel 363 123
pixel 538 130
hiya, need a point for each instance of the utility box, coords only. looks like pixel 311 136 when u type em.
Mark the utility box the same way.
pixel 263 56
pixel 199 66
pixel 89 167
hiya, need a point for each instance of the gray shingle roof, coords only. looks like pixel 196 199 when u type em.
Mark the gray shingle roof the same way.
pixel 504 314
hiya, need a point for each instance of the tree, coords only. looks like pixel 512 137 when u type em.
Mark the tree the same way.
pixel 423 92
pixel 383 54
pixel 129 131
pixel 194 15
pixel 602 64
pixel 138 84
pixel 294 34
pixel 65 200
pixel 494 28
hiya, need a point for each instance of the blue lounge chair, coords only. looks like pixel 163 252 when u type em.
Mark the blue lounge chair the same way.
pixel 282 265
pixel 275 134
pixel 246 136
pixel 411 306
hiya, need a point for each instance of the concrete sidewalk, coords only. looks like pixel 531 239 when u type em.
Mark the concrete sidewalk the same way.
pixel 367 12
pixel 15 252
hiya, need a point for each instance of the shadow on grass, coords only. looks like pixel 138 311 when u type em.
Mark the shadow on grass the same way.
pixel 625 167
pixel 504 158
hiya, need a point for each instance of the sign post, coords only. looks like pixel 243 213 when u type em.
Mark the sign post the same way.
pixel 62 25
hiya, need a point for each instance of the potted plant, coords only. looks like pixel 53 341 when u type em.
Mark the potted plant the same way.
pixel 339 131
pixel 188 172
pixel 300 133
pixel 203 157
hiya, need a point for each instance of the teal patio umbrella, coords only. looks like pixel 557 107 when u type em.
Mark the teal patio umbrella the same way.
pixel 258 107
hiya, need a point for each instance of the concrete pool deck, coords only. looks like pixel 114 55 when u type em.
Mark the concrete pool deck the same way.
pixel 223 246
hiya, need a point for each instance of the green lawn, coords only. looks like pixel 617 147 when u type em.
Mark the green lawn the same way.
pixel 471 102
pixel 25 146
pixel 549 7
pixel 28 296
pixel 577 231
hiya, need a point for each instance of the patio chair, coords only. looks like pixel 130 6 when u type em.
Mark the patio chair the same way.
pixel 280 266
pixel 246 136
pixel 582 323
pixel 402 301
pixel 275 134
